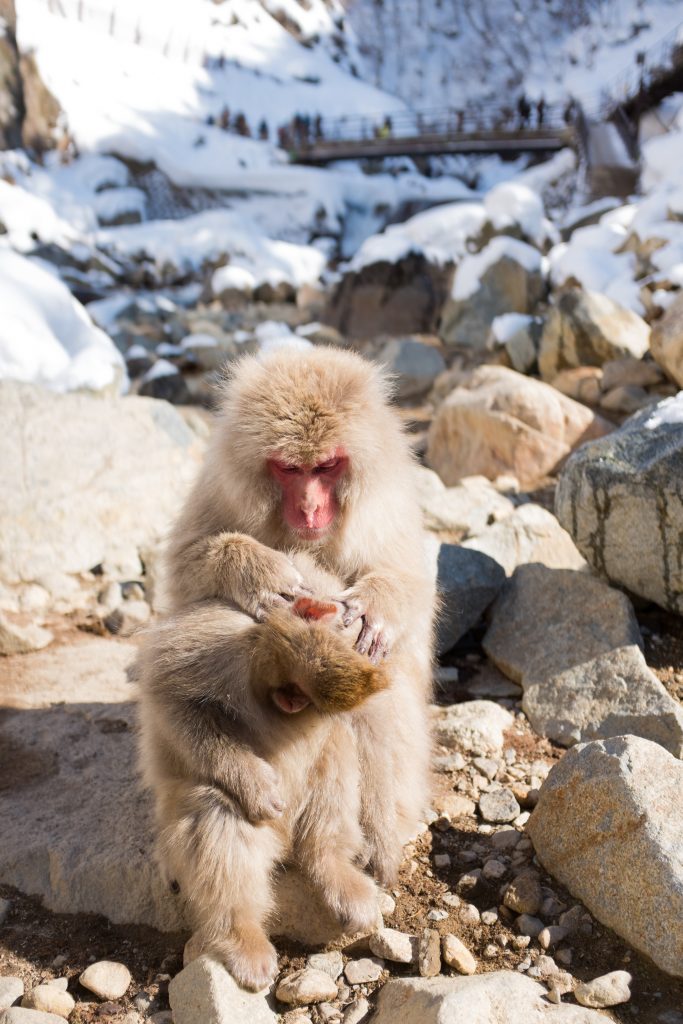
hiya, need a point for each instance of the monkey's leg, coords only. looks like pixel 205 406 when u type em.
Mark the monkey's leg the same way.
pixel 223 865
pixel 329 839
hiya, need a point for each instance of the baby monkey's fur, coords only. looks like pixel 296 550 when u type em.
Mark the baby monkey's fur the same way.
pixel 241 785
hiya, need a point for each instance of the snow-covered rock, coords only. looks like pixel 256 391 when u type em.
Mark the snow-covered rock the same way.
pixel 47 337
pixel 505 277
pixel 584 328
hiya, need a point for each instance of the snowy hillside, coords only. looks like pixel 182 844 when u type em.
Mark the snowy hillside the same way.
pixel 481 51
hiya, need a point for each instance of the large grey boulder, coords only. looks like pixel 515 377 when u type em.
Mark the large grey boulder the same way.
pixel 667 340
pixel 574 645
pixel 505 277
pixel 77 827
pixel 468 582
pixel 621 500
pixel 609 826
pixel 500 997
pixel 588 329
pixel 395 298
pixel 87 481
pixel 413 364
pixel 499 421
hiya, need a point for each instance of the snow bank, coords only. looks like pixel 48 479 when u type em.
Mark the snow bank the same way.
pixel 46 337
pixel 470 272
pixel 590 259
pixel 210 236
pixel 440 234
pixel 513 203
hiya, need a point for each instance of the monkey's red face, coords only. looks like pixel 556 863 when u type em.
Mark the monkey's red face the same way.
pixel 309 493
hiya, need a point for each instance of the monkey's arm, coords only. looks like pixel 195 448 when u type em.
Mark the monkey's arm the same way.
pixel 198 706
pixel 389 600
pixel 233 567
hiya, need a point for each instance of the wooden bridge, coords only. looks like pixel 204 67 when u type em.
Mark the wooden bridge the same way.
pixel 486 129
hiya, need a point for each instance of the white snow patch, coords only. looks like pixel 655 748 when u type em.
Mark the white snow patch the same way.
pixel 515 203
pixel 229 277
pixel 199 340
pixel 589 259
pixel 472 269
pixel 162 368
pixel 506 326
pixel 440 234
pixel 46 336
pixel 670 411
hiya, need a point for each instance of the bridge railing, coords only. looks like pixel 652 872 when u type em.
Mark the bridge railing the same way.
pixel 437 122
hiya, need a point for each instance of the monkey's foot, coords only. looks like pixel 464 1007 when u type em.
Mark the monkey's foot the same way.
pixel 248 955
pixel 353 899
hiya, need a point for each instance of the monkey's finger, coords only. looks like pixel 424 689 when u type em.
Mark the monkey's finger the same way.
pixel 365 638
pixel 353 612
pixel 379 648
pixel 267 603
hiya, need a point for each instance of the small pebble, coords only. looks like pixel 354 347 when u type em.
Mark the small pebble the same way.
pixel 469 914
pixel 328 1012
pixel 442 860
pixel 107 979
pixel 607 990
pixel 306 986
pixel 564 956
pixel 386 903
pixel 498 805
pixel 362 972
pixel 437 915
pixel 429 954
pixel 330 963
pixel 551 935
pixel 530 926
pixel 357 1011
pixel 456 954
pixel 59 961
pixel 521 941
pixel 487 766
pixel 394 945
pixel 490 951
pixel 493 870
pixel 489 916
pixel 523 894
pixel 451 900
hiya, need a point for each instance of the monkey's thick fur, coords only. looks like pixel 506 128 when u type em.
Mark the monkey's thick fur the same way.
pixel 239 784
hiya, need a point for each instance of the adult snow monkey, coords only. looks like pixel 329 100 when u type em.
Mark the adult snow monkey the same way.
pixel 309 456
pixel 247 741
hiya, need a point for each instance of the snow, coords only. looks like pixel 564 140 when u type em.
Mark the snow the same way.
pixel 162 368
pixel 591 260
pixel 46 337
pixel 667 413
pixel 273 335
pixel 506 326
pixel 440 234
pixel 198 340
pixel 229 277
pixel 513 203
pixel 470 272
pixel 207 236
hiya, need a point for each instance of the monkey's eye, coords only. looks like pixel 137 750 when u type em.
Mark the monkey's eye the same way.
pixel 327 467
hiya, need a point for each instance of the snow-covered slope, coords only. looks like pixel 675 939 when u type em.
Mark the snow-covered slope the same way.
pixel 455 52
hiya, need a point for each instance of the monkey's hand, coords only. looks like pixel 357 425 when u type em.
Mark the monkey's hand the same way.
pixel 375 637
pixel 257 578
pixel 256 786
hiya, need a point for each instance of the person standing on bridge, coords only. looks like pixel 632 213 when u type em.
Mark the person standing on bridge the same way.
pixel 540 112
pixel 523 110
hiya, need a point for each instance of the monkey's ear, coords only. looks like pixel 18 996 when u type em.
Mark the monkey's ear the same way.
pixel 344 683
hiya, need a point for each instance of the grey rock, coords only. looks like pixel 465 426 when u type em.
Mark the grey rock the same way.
pixel 468 582
pixel 588 329
pixel 91 462
pixel 11 989
pixel 21 1015
pixel 529 926
pixel 498 997
pixel 106 978
pixel 609 826
pixel 413 364
pixel 607 990
pixel 667 340
pixel 511 282
pixel 530 534
pixel 331 963
pixel 573 643
pixel 396 946
pixel 204 993
pixel 363 971
pixel 620 499
pixel 498 805
pixel 475 725
pixel 429 953
pixel 524 896
pixel 357 1011
pixel 20 638
pixel 305 987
